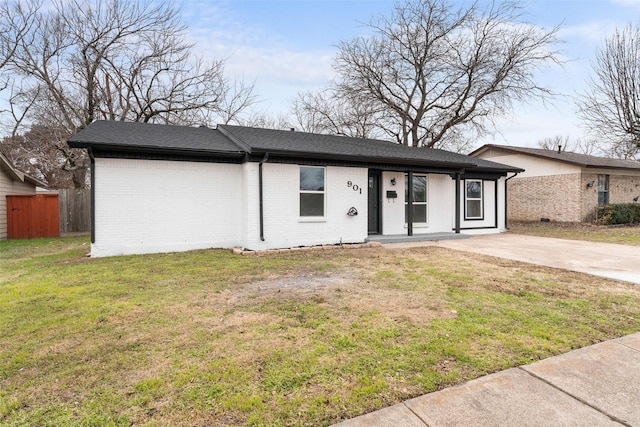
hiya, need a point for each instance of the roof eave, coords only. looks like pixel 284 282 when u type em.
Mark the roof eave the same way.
pixel 361 159
pixel 142 149
pixel 19 175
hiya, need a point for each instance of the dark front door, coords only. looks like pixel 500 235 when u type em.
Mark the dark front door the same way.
pixel 374 202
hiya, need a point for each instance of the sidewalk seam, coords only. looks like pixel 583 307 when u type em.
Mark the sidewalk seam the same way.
pixel 628 346
pixel 417 415
pixel 579 399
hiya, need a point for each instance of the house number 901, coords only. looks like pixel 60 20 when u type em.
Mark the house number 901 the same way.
pixel 354 187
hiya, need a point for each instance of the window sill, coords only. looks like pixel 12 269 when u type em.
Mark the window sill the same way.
pixel 312 219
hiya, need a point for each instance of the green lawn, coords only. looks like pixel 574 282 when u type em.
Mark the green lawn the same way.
pixel 304 338
pixel 620 234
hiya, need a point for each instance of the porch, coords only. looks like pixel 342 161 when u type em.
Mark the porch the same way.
pixel 403 238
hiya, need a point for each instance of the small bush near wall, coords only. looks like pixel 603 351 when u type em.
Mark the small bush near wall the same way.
pixel 624 213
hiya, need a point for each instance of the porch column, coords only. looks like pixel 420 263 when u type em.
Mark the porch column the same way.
pixel 410 204
pixel 457 203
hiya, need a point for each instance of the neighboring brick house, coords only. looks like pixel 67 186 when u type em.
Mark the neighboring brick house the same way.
pixel 160 188
pixel 563 186
pixel 13 182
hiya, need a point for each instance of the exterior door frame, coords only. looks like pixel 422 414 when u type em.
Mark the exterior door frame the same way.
pixel 374 202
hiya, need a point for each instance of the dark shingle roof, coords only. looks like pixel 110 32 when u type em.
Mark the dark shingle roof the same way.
pixel 301 144
pixel 582 160
pixel 236 141
pixel 131 136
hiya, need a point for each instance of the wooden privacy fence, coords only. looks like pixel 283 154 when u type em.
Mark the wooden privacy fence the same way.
pixel 32 216
pixel 75 210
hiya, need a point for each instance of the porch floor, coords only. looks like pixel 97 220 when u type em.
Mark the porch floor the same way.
pixel 403 238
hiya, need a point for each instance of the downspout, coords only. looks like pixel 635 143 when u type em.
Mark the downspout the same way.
pixel 457 230
pixel 410 204
pixel 264 160
pixel 506 225
pixel 92 169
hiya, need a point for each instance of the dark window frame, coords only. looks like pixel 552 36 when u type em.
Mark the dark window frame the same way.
pixel 467 199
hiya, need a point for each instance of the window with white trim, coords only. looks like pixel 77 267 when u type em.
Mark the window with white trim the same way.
pixel 419 201
pixel 312 191
pixel 473 199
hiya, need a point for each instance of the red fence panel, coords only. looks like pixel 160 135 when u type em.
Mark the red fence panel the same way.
pixel 33 216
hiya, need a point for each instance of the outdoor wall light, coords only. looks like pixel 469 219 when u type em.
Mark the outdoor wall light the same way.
pixel 393 181
pixel 590 184
pixel 635 199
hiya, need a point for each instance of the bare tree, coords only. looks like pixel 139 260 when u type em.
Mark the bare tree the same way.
pixel 438 70
pixel 42 152
pixel 333 113
pixel 566 144
pixel 115 60
pixel 262 119
pixel 610 109
pixel 83 60
pixel 17 21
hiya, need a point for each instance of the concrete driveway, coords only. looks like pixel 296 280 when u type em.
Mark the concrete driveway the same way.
pixel 608 260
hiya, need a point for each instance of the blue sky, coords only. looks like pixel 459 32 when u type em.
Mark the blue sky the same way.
pixel 287 47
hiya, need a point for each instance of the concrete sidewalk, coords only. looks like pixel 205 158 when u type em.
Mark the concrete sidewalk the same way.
pixel 593 386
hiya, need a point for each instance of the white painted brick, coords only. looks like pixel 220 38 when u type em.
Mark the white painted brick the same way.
pixel 145 206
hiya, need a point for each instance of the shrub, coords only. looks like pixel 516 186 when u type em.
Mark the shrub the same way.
pixel 624 213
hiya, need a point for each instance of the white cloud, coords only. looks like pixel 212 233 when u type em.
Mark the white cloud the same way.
pixel 258 54
pixel 627 3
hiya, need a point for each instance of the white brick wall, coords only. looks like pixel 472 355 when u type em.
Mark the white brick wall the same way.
pixel 441 206
pixel 489 206
pixel 283 227
pixel 145 206
pixel 393 209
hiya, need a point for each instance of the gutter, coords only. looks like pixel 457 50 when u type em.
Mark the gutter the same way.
pixel 260 194
pixel 506 225
pixel 92 160
pixel 458 208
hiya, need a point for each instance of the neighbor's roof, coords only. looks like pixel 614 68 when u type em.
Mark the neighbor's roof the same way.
pixel 240 141
pixel 582 160
pixel 19 175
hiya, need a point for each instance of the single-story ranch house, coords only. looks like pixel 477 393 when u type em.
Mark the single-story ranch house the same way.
pixel 161 188
pixel 563 186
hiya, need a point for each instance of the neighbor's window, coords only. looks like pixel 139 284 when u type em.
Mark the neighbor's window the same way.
pixel 419 202
pixel 473 199
pixel 603 189
pixel 311 191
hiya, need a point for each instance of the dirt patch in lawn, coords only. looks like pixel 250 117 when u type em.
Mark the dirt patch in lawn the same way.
pixel 351 293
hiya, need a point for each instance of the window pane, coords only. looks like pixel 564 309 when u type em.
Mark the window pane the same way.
pixel 419 188
pixel 311 179
pixel 311 204
pixel 603 189
pixel 603 182
pixel 474 189
pixel 474 209
pixel 419 213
